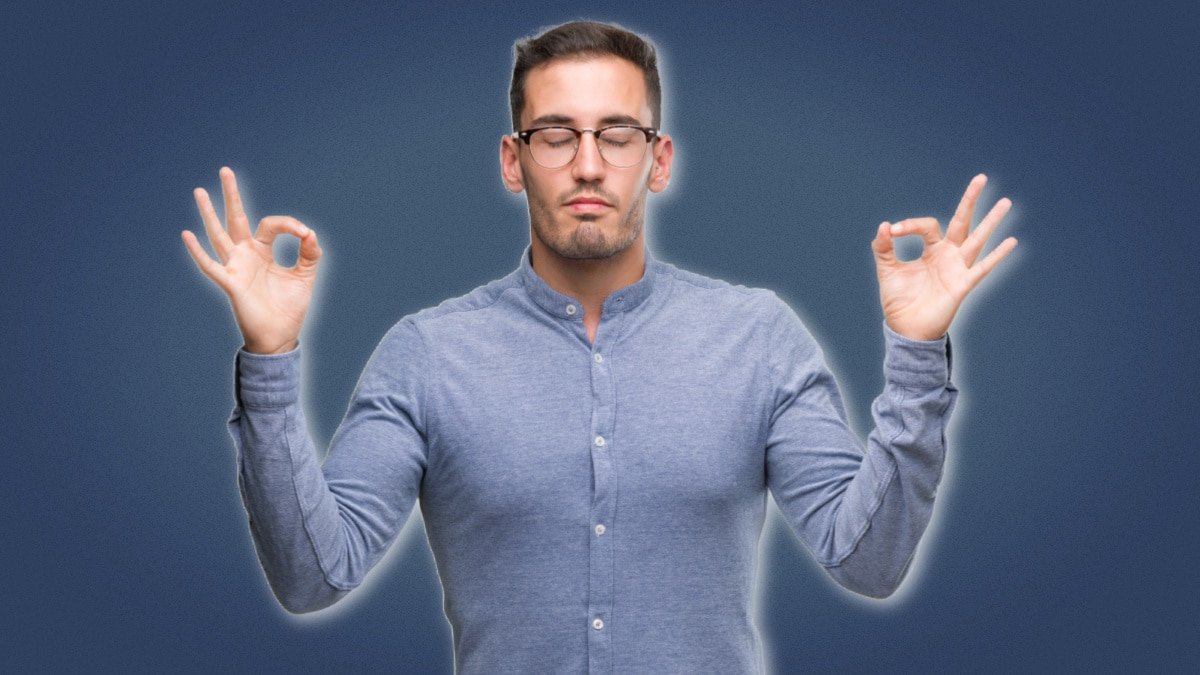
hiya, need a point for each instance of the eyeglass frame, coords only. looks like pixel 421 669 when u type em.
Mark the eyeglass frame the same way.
pixel 524 134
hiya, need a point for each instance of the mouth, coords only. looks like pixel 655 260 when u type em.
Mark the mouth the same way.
pixel 587 204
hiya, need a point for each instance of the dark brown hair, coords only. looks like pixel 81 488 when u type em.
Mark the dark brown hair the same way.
pixel 581 39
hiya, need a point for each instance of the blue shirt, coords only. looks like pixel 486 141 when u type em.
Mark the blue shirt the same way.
pixel 594 507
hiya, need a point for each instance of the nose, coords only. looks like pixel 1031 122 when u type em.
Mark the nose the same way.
pixel 588 165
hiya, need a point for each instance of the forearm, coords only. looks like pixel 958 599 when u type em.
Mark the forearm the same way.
pixel 319 528
pixel 293 517
pixel 887 506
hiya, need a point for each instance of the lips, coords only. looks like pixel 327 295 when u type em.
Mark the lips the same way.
pixel 587 200
pixel 587 205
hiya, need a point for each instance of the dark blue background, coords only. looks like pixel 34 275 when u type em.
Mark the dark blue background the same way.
pixel 1065 534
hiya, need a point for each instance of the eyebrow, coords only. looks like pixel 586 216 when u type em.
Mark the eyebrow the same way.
pixel 604 121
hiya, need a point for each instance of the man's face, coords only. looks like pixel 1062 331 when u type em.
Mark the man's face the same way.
pixel 586 94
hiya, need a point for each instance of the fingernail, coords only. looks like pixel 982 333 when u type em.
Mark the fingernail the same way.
pixel 896 228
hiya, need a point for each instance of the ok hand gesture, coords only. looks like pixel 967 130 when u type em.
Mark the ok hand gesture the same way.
pixel 920 297
pixel 269 301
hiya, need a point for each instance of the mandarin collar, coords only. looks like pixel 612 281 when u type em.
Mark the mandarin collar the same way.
pixel 567 307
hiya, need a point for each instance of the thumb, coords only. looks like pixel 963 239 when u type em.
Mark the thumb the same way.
pixel 272 226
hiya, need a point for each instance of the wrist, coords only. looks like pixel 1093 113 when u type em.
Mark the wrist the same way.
pixel 919 335
pixel 255 348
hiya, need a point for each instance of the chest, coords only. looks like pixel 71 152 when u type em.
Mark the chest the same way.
pixel 528 431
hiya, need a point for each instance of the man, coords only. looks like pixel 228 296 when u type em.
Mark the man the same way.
pixel 592 437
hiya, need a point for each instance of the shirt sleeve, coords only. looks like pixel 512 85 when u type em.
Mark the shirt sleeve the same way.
pixel 318 528
pixel 860 512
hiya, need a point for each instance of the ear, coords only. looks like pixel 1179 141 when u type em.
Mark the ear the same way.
pixel 510 164
pixel 660 168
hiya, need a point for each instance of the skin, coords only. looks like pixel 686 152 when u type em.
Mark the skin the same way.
pixel 586 255
pixel 269 300
pixel 921 297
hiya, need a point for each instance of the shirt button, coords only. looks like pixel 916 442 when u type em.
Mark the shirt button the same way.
pixel 597 623
pixel 598 358
pixel 570 309
pixel 599 440
pixel 599 529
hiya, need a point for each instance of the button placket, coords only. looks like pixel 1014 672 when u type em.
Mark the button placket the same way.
pixel 603 506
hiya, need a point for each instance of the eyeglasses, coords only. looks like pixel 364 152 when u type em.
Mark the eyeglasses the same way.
pixel 621 146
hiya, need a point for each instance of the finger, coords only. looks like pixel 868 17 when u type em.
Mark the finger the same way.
pixel 310 251
pixel 989 262
pixel 974 243
pixel 235 214
pixel 211 268
pixel 217 236
pixel 960 224
pixel 883 245
pixel 927 228
pixel 272 226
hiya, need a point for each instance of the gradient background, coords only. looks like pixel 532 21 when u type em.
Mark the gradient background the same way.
pixel 1065 534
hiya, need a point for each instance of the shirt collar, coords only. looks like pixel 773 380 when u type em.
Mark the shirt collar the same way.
pixel 566 307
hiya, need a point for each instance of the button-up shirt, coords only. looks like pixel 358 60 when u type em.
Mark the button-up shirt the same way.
pixel 594 506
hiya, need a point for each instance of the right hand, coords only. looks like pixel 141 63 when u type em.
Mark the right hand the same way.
pixel 269 300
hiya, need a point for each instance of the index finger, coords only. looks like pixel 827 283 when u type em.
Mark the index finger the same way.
pixel 956 231
pixel 235 215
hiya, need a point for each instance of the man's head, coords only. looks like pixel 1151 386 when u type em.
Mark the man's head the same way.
pixel 586 75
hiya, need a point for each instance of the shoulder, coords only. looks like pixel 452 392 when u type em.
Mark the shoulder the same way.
pixel 452 314
pixel 719 297
pixel 447 311
pixel 767 316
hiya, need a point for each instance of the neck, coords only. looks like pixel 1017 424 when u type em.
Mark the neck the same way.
pixel 589 281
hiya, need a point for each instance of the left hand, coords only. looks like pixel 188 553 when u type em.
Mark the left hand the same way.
pixel 920 297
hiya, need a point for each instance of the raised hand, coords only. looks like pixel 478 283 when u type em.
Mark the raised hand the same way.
pixel 269 300
pixel 920 297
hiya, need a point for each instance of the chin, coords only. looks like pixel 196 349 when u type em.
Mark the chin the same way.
pixel 605 239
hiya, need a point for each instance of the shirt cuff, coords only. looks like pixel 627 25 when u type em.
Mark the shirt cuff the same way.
pixel 923 364
pixel 266 380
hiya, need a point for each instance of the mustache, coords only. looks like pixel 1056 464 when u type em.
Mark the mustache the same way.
pixel 593 193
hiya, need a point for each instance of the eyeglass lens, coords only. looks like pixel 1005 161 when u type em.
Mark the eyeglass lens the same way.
pixel 619 146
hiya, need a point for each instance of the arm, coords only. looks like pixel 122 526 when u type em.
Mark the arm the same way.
pixel 319 529
pixel 860 513
pixel 863 513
